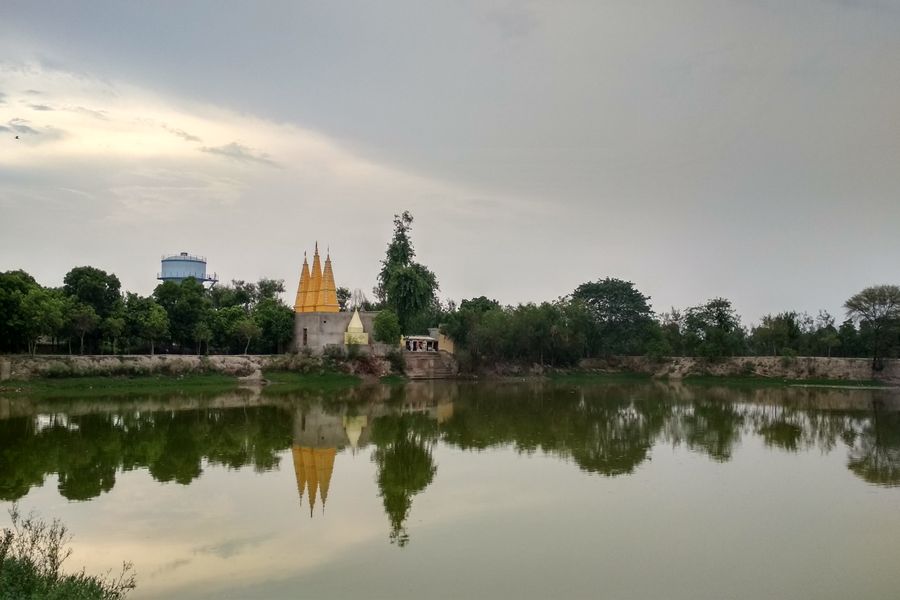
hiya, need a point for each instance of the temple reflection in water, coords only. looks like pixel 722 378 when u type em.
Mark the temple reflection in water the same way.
pixel 321 431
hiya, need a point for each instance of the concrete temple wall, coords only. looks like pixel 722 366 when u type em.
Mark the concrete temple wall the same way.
pixel 327 329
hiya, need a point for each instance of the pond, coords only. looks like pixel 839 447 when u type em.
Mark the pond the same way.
pixel 444 490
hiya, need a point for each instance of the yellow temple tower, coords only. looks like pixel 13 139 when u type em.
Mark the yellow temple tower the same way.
pixel 315 283
pixel 303 288
pixel 317 291
pixel 327 301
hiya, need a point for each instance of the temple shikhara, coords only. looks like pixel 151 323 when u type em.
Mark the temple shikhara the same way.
pixel 318 319
pixel 316 292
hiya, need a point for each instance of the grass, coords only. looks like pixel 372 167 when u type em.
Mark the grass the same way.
pixel 754 380
pixel 393 380
pixel 77 387
pixel 290 381
pixel 591 377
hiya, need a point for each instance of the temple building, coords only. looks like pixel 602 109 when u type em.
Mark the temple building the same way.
pixel 318 319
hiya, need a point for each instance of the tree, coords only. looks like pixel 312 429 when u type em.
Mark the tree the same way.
pixel 83 319
pixel 186 304
pixel 344 298
pixel 14 285
pixel 268 289
pixel 95 288
pixel 713 329
pixel 154 324
pixel 202 333
pixel 276 323
pixel 878 307
pixel 386 327
pixel 622 315
pixel 41 312
pixel 404 286
pixel 113 327
pixel 246 330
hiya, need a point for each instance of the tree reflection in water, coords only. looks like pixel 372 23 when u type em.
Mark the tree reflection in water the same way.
pixel 607 429
pixel 405 465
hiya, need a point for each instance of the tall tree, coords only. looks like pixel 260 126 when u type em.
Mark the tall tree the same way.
pixel 622 315
pixel 14 286
pixel 41 313
pixel 84 319
pixel 405 286
pixel 246 330
pixel 878 307
pixel 713 329
pixel 154 325
pixel 94 287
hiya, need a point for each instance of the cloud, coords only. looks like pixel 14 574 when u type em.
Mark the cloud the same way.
pixel 20 126
pixel 182 134
pixel 33 92
pixel 2 98
pixel 97 114
pixel 40 107
pixel 240 153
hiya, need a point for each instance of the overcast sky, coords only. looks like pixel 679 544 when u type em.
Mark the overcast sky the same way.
pixel 746 149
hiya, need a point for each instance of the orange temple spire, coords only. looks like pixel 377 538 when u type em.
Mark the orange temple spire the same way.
pixel 303 287
pixel 315 284
pixel 327 301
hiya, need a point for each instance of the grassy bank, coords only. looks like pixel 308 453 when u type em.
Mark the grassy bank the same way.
pixel 76 387
pixel 752 380
pixel 710 380
pixel 593 377
pixel 281 382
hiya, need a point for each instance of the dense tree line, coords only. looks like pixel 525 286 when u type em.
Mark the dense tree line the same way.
pixel 612 317
pixel 90 313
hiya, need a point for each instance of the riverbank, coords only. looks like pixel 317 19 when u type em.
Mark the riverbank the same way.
pixel 26 367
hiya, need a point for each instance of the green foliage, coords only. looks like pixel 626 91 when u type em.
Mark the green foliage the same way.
pixel 41 313
pixel 878 308
pixel 94 287
pixel 32 553
pixel 83 320
pixel 14 334
pixel 386 327
pixel 246 330
pixel 622 318
pixel 406 287
pixel 343 297
pixel 276 324
pixel 713 330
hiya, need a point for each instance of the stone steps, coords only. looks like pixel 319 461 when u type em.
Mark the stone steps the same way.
pixel 430 365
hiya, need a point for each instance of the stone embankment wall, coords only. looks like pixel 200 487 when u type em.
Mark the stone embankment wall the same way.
pixel 804 367
pixel 27 367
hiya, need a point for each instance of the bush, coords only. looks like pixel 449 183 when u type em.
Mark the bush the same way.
pixel 395 358
pixel 387 327
pixel 31 558
pixel 788 357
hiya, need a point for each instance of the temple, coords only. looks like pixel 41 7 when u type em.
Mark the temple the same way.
pixel 319 322
pixel 316 291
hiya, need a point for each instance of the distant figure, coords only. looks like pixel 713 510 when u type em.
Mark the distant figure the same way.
pixel 17 137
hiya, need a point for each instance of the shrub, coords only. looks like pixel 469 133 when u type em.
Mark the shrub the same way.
pixel 395 358
pixel 386 327
pixel 31 556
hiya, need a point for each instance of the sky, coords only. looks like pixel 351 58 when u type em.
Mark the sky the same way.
pixel 747 149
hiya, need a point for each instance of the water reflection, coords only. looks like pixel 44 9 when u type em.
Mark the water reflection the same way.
pixel 609 430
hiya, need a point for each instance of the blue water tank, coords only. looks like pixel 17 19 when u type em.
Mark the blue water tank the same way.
pixel 178 267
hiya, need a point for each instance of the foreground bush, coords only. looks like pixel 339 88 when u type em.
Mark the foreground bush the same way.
pixel 31 556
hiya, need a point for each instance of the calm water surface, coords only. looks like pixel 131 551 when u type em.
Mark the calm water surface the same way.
pixel 441 490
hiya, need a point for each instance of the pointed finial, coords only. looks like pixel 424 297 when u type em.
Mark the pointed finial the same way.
pixel 317 246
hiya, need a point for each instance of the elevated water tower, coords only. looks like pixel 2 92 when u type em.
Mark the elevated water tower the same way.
pixel 178 267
